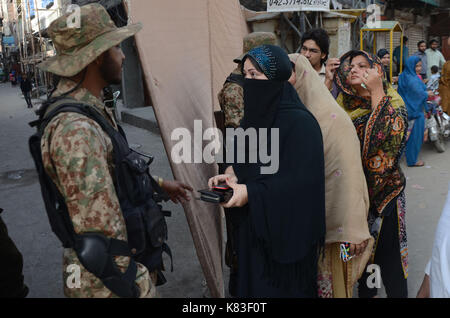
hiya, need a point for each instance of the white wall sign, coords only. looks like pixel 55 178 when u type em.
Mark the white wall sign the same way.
pixel 297 5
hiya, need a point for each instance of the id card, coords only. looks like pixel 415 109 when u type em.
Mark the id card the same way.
pixel 345 252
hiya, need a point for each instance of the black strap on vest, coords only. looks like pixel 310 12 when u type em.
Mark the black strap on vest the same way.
pixel 236 78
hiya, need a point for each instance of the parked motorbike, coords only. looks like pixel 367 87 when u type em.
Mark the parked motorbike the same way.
pixel 438 123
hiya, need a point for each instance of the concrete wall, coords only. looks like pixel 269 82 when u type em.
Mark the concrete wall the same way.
pixel 339 31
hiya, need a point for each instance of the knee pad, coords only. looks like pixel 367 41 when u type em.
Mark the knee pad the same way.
pixel 96 253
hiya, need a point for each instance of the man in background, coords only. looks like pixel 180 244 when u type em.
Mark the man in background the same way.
pixel 315 46
pixel 405 54
pixel 422 46
pixel 26 87
pixel 434 57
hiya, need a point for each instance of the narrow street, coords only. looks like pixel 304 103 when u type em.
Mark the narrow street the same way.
pixel 28 225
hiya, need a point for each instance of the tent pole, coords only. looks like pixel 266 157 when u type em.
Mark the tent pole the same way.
pixel 390 53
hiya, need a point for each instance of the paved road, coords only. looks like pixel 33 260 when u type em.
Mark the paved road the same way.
pixel 28 225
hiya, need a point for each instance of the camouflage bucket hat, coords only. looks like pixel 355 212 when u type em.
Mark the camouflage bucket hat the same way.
pixel 76 47
pixel 256 39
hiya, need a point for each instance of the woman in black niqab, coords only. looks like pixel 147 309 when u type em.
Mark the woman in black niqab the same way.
pixel 281 225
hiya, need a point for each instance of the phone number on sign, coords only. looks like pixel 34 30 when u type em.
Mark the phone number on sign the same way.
pixel 297 2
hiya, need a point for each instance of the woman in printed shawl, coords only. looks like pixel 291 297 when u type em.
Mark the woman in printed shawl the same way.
pixel 380 118
pixel 346 195
pixel 282 227
pixel 415 95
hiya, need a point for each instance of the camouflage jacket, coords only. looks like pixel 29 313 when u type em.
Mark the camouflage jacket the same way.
pixel 231 99
pixel 78 156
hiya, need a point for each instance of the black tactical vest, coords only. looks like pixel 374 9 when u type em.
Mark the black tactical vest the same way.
pixel 138 193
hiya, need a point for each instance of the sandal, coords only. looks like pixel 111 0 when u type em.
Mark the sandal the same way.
pixel 419 163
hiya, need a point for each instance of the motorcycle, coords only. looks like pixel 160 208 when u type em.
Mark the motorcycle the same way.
pixel 437 122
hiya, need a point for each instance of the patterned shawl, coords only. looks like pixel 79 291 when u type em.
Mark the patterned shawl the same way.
pixel 382 132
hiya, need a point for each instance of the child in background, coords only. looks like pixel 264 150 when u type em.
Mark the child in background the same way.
pixel 433 83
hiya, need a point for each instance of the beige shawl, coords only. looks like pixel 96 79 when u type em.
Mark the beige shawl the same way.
pixel 346 198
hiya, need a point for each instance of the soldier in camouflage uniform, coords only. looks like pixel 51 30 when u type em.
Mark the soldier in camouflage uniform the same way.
pixel 231 97
pixel 77 153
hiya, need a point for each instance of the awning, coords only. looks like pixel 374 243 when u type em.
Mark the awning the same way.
pixel 335 15
pixel 354 12
pixel 380 26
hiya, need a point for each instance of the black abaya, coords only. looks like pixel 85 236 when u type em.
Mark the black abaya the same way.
pixel 282 228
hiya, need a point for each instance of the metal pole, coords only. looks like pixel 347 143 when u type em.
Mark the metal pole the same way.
pixel 16 22
pixel 306 19
pixel 1 36
pixel 32 46
pixel 390 54
pixel 361 40
pixel 40 43
pixel 25 45
pixel 292 25
pixel 302 22
pixel 39 26
pixel 375 43
pixel 401 54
